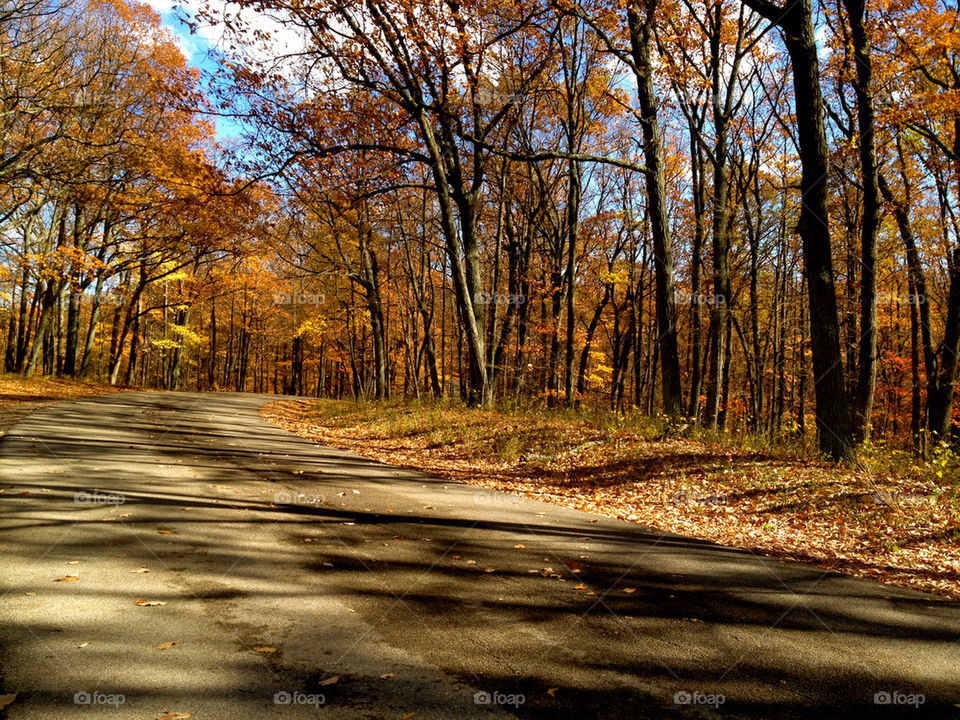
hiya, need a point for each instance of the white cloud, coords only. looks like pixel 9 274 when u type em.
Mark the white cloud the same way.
pixel 161 6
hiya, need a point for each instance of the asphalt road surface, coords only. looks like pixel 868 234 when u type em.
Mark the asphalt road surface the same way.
pixel 298 581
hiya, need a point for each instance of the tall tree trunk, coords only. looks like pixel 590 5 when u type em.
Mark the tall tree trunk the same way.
pixel 640 18
pixel 834 419
pixel 867 360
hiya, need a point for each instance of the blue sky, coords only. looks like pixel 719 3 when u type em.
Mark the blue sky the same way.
pixel 196 47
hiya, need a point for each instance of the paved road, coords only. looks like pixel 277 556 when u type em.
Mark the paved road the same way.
pixel 305 582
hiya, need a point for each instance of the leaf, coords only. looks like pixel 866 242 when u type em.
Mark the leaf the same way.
pixel 629 590
pixel 7 699
pixel 519 547
pixel 68 578
pixel 166 532
pixel 408 716
pixel 82 645
pixel 386 676
pixel 266 649
pixel 30 594
pixel 552 692
pixel 140 570
pixel 330 681
pixel 169 715
pixel 166 645
pixel 581 586
pixel 149 603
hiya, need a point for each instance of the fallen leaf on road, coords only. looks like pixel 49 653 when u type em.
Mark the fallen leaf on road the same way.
pixel 629 590
pixel 519 547
pixel 166 645
pixel 149 603
pixel 408 716
pixel 386 676
pixel 552 692
pixel 7 699
pixel 330 680
pixel 73 562
pixel 166 532
pixel 68 578
pixel 30 594
pixel 265 649
pixel 140 570
pixel 82 645
pixel 581 586
pixel 167 715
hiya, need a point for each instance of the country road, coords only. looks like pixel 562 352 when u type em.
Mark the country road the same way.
pixel 211 564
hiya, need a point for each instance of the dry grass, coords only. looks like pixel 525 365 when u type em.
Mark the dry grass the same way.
pixel 890 520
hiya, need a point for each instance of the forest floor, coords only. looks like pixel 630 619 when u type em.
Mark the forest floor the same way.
pixel 890 519
pixel 19 397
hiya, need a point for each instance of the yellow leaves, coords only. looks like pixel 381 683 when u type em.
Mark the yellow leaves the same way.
pixel 187 336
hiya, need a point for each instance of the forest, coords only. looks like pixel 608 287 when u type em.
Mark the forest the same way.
pixel 739 215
